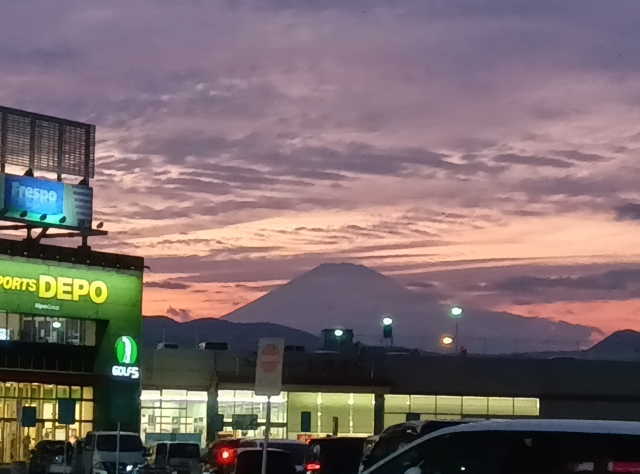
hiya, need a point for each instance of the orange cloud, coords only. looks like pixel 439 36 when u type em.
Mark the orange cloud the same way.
pixel 608 316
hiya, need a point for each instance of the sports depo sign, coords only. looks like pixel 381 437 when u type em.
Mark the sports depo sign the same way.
pixel 36 286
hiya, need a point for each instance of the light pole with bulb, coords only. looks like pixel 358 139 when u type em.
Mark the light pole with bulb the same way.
pixel 446 340
pixel 455 312
pixel 387 328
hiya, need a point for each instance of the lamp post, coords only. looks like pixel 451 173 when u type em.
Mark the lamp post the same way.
pixel 456 312
pixel 387 328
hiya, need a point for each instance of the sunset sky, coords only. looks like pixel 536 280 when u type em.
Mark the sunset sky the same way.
pixel 484 151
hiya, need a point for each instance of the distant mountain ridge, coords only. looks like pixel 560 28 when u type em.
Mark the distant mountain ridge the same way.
pixel 355 296
pixel 621 345
pixel 240 337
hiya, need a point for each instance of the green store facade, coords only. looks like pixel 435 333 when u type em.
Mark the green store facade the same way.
pixel 70 321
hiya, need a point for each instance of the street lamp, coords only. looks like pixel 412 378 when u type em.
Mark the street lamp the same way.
pixel 446 340
pixel 456 312
pixel 387 328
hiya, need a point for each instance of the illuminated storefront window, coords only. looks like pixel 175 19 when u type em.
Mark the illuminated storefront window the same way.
pixel 179 412
pixel 46 329
pixel 350 413
pixel 452 407
pixel 246 402
pixel 15 441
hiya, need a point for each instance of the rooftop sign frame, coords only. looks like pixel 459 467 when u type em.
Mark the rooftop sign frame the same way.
pixel 45 143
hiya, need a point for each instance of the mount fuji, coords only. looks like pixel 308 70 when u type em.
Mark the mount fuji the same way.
pixel 355 297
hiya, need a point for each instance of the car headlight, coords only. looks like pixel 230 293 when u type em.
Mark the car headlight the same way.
pixel 59 459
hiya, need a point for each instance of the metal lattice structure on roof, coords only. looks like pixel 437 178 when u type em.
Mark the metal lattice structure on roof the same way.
pixel 46 143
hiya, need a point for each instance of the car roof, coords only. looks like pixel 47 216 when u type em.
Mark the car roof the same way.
pixel 279 441
pixel 270 450
pixel 178 442
pixel 337 439
pixel 539 425
pixel 569 426
pixel 50 442
pixel 99 433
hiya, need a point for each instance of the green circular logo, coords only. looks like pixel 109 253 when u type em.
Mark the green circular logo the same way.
pixel 126 350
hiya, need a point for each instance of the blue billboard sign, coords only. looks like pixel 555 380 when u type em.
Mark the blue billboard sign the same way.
pixel 45 203
pixel 35 196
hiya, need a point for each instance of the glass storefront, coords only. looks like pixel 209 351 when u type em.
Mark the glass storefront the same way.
pixel 348 414
pixel 165 412
pixel 15 441
pixel 246 402
pixel 32 328
pixel 453 407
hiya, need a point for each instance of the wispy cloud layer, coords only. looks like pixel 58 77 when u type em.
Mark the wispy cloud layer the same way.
pixel 249 141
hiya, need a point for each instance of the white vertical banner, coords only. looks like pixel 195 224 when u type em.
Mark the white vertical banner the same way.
pixel 269 366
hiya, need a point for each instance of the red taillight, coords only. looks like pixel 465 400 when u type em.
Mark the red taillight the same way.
pixel 631 467
pixel 313 466
pixel 226 456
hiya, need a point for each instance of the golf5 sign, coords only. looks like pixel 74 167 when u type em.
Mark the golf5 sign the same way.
pixel 126 349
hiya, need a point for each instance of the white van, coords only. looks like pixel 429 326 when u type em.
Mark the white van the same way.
pixel 99 452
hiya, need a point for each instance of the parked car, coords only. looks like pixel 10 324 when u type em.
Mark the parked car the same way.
pixel 177 457
pixel 397 436
pixel 297 449
pixel 47 454
pixel 220 455
pixel 249 461
pixel 334 455
pixel 98 452
pixel 521 447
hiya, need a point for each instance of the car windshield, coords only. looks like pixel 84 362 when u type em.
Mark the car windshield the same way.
pixel 51 447
pixel 184 450
pixel 296 450
pixel 127 443
pixel 386 445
